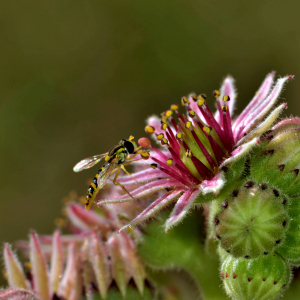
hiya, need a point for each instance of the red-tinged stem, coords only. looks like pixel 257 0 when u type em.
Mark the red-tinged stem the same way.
pixel 174 123
pixel 227 128
pixel 219 153
pixel 159 153
pixel 202 169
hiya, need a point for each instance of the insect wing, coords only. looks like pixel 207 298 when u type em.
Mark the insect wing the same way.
pixel 88 162
pixel 105 173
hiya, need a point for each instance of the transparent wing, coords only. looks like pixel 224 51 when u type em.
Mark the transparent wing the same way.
pixel 105 173
pixel 88 162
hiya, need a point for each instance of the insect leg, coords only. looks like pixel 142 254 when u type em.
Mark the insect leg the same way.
pixel 119 184
pixel 123 168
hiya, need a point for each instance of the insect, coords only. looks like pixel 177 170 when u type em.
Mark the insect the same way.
pixel 115 160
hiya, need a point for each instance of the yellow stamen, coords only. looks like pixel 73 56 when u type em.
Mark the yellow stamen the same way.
pixel 194 97
pixel 169 113
pixel 174 107
pixel 207 129
pixel 145 155
pixel 164 141
pixel 188 153
pixel 170 162
pixel 224 108
pixel 201 101
pixel 160 136
pixel 149 129
pixel 184 101
pixel 226 98
pixel 188 124
pixel 153 166
pixel 164 126
pixel 192 114
pixel 216 93
pixel 179 136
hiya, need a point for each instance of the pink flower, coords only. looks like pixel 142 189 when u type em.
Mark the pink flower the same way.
pixel 197 147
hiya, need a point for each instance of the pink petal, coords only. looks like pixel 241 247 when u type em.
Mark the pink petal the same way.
pixel 256 101
pixel 14 270
pixel 39 268
pixel 263 126
pixel 135 267
pixel 262 110
pixel 228 89
pixel 145 190
pixel 154 207
pixel 56 262
pixel 142 176
pixel 118 264
pixel 18 294
pixel 181 208
pixel 99 262
pixel 87 220
pixel 69 283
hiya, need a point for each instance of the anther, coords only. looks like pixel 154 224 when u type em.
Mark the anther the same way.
pixel 194 97
pixel 226 98
pixel 207 129
pixel 153 166
pixel 249 184
pixel 203 96
pixel 145 155
pixel 149 129
pixel 276 193
pixel 164 126
pixel 179 136
pixel 184 101
pixel 164 141
pixel 188 124
pixel 169 113
pixel 200 101
pixel 216 93
pixel 192 114
pixel 163 120
pixel 170 162
pixel 224 108
pixel 174 107
pixel 160 136
pixel 188 153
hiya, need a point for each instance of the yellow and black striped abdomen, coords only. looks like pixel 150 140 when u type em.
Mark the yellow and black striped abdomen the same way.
pixel 92 191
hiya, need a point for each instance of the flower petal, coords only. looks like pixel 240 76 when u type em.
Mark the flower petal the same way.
pixel 69 280
pixel 142 176
pixel 99 262
pixel 262 110
pixel 118 264
pixel 228 89
pixel 14 270
pixel 256 101
pixel 154 207
pixel 181 208
pixel 240 152
pixel 264 126
pixel 39 268
pixel 87 220
pixel 145 190
pixel 136 270
pixel 56 262
pixel 18 294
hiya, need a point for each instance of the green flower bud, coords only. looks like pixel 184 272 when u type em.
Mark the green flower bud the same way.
pixel 263 278
pixel 252 222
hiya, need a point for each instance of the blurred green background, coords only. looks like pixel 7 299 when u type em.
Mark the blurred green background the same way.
pixel 77 76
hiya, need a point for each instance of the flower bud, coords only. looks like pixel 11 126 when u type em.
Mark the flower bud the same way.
pixel 263 278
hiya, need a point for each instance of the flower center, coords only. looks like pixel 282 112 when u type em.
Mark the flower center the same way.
pixel 197 142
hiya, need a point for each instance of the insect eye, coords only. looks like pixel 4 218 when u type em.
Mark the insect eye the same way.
pixel 129 146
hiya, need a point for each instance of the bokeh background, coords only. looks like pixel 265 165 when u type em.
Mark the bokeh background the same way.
pixel 76 76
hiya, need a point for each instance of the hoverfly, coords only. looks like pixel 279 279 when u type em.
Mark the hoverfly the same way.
pixel 115 160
